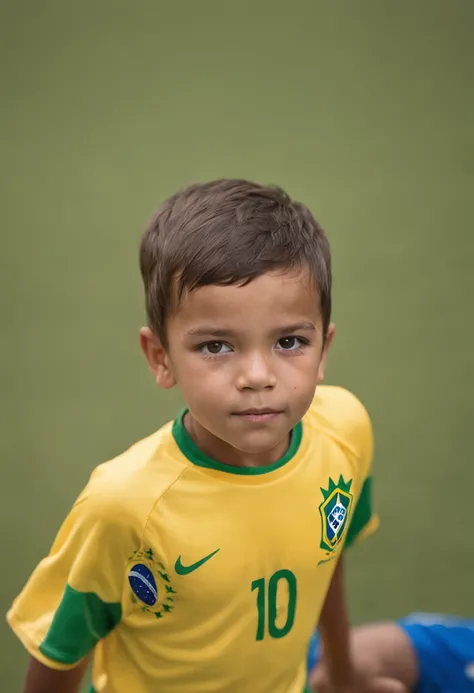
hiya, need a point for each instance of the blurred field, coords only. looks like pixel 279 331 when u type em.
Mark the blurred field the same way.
pixel 365 111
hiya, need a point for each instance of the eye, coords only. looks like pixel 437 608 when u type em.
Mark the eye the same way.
pixel 214 348
pixel 290 343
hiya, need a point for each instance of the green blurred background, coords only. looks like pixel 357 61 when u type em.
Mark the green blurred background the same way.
pixel 363 109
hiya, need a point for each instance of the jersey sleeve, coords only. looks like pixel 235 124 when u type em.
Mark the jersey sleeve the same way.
pixel 364 520
pixel 73 597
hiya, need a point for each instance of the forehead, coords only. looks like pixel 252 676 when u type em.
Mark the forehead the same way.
pixel 271 299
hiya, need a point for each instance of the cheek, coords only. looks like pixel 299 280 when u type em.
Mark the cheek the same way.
pixel 301 369
pixel 205 396
pixel 301 379
pixel 198 377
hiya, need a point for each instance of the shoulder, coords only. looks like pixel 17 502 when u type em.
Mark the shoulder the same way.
pixel 123 490
pixel 342 416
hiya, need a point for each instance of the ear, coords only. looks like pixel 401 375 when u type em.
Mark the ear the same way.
pixel 324 356
pixel 157 358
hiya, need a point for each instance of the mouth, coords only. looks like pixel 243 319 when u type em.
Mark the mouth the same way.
pixel 258 415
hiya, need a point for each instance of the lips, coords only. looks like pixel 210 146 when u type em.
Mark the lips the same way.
pixel 258 415
pixel 257 412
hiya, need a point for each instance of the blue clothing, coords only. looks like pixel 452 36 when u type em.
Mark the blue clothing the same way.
pixel 444 646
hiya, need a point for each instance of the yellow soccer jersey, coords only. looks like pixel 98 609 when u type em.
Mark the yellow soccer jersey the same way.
pixel 184 575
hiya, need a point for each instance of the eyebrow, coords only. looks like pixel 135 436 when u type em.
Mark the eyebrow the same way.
pixel 298 327
pixel 207 332
pixel 220 333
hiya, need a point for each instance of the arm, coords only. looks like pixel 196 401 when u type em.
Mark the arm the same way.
pixel 385 650
pixel 72 600
pixel 385 656
pixel 41 679
pixel 338 672
pixel 334 630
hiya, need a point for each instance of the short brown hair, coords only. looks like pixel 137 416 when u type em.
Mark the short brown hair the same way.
pixel 228 232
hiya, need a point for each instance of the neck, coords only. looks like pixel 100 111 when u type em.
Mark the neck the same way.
pixel 224 453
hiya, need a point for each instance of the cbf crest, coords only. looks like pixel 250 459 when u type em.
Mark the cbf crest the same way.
pixel 151 588
pixel 335 511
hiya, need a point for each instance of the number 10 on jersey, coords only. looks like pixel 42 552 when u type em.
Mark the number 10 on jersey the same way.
pixel 267 608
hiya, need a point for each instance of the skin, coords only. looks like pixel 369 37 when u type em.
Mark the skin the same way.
pixel 42 679
pixel 255 361
pixel 258 347
pixel 235 348
pixel 232 349
pixel 347 663
pixel 247 360
pixel 383 652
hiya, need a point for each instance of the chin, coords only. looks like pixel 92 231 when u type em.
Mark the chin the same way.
pixel 258 443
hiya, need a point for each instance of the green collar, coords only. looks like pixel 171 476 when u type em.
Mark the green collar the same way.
pixel 191 451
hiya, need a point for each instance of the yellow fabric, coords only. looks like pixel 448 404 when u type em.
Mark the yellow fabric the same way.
pixel 204 634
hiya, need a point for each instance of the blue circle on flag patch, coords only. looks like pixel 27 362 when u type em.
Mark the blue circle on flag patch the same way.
pixel 143 584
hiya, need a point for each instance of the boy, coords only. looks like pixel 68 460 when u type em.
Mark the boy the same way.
pixel 428 653
pixel 200 560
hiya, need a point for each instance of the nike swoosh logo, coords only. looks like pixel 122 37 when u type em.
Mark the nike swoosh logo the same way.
pixel 186 569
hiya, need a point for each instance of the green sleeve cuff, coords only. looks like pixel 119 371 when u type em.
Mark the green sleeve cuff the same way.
pixel 363 520
pixel 80 621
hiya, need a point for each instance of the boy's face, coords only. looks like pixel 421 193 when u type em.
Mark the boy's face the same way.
pixel 246 358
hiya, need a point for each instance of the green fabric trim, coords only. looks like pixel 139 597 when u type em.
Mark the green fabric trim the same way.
pixel 80 621
pixel 362 513
pixel 190 450
pixel 92 689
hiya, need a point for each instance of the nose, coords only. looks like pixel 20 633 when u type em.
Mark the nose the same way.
pixel 256 373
